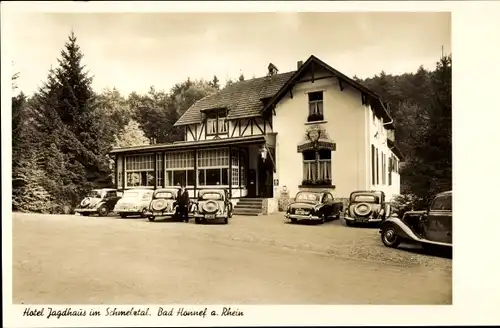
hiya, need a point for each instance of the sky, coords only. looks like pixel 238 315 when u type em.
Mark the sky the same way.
pixel 133 51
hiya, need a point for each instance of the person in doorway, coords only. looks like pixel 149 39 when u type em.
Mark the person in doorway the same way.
pixel 183 203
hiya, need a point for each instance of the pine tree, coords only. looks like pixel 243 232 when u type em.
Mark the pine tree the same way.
pixel 215 83
pixel 78 110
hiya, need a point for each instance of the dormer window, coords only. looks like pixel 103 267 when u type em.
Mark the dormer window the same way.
pixel 217 124
pixel 315 106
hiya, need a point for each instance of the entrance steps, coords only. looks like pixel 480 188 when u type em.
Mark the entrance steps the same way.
pixel 248 207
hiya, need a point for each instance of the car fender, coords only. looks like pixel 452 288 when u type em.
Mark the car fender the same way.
pixel 402 230
pixel 100 204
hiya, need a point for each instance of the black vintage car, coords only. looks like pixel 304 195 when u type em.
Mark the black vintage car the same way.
pixel 430 228
pixel 98 201
pixel 312 205
pixel 163 204
pixel 366 206
pixel 213 204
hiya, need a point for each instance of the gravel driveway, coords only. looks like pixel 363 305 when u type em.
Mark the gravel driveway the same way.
pixel 252 260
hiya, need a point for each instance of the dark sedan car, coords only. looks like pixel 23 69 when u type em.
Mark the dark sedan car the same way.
pixel 312 205
pixel 98 201
pixel 430 228
pixel 366 206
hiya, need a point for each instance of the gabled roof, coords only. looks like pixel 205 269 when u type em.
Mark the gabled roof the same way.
pixel 253 97
pixel 241 99
pixel 375 102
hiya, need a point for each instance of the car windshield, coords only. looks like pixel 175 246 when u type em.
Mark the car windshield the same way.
pixel 164 194
pixel 365 199
pixel 94 194
pixel 130 194
pixel 211 196
pixel 307 197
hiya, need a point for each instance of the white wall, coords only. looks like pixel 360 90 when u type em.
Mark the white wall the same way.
pixel 380 142
pixel 345 120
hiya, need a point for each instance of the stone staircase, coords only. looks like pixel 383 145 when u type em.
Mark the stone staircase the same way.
pixel 248 207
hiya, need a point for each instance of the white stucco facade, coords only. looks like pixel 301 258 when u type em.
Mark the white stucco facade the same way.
pixel 348 123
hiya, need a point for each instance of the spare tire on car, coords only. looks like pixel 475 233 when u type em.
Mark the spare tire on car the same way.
pixel 362 209
pixel 210 207
pixel 85 202
pixel 159 204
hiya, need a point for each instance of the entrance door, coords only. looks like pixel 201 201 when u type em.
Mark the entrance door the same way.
pixel 265 178
pixel 252 183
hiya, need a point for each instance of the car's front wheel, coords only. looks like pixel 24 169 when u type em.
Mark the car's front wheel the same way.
pixel 151 218
pixel 85 214
pixel 123 216
pixel 103 210
pixel 390 237
pixel 348 223
pixel 226 220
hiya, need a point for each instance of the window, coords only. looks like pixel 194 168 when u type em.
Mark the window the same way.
pixel 235 161
pixel 211 196
pixel 119 168
pixel 213 167
pixel 317 167
pixel 328 198
pixel 307 196
pixel 165 195
pixel 373 166
pixel 179 168
pixel 140 171
pixel 217 124
pixel 365 199
pixel 315 106
pixel 111 194
pixel 243 163
pixel 222 125
pixel 377 163
pixel 382 159
pixel 390 168
pixel 160 174
pixel 442 203
pixel 211 126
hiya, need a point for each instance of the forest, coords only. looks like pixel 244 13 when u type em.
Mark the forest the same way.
pixel 62 134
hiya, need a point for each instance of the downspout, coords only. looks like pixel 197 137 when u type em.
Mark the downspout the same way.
pixel 392 120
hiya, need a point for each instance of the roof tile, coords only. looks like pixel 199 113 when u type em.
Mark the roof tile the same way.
pixel 242 99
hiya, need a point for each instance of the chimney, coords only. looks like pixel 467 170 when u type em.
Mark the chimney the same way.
pixel 272 70
pixel 299 64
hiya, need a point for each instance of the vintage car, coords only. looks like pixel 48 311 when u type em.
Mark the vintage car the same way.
pixel 134 202
pixel 430 228
pixel 164 205
pixel 312 205
pixel 98 201
pixel 213 204
pixel 366 206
